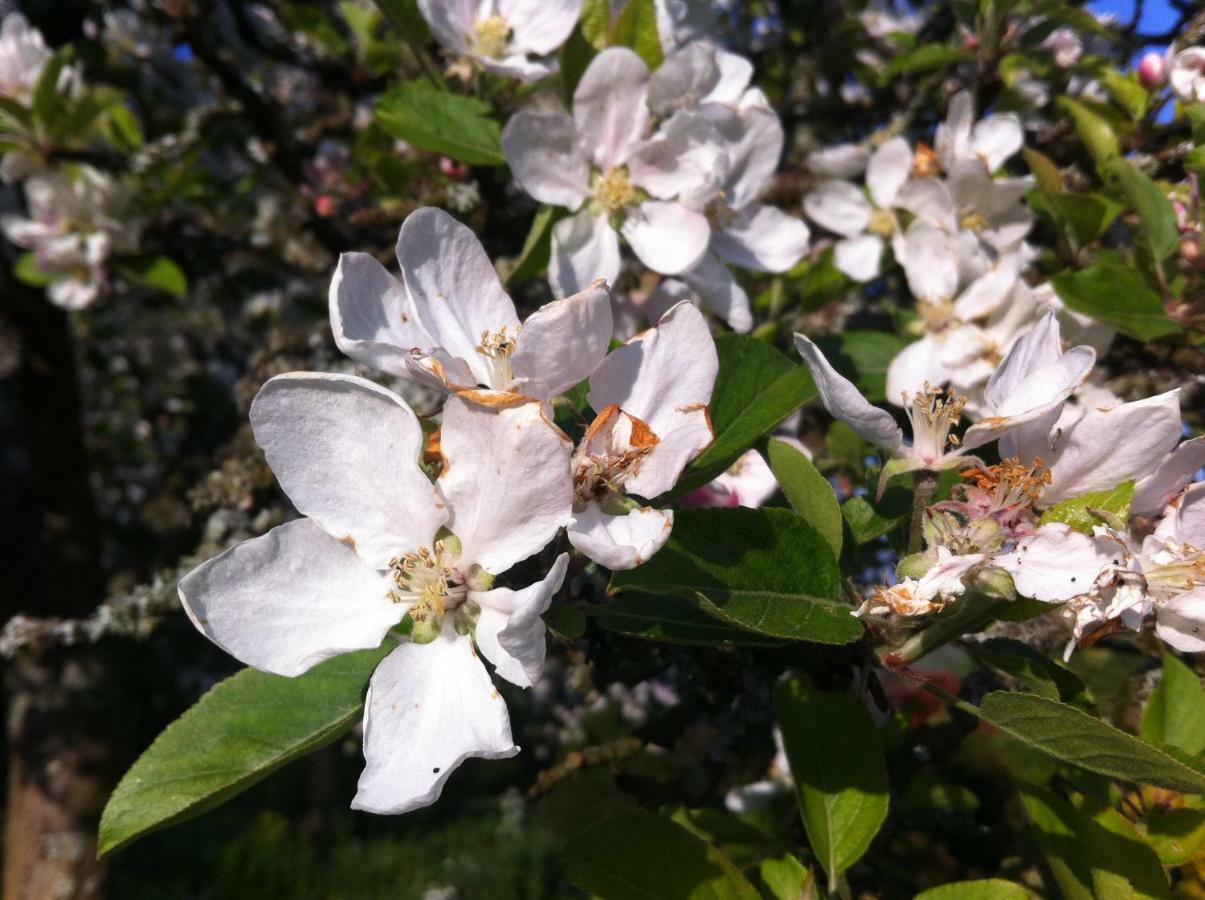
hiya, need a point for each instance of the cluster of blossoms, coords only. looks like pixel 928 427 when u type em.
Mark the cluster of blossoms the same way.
pixel 76 214
pixel 380 541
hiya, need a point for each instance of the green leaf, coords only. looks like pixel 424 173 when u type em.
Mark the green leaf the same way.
pixel 404 15
pixel 1176 835
pixel 1175 712
pixel 533 258
pixel 636 26
pixel 986 889
pixel 1115 294
pixel 840 775
pixel 808 492
pixel 1072 736
pixel 786 878
pixel 576 56
pixel 157 272
pixel 863 357
pixel 47 102
pixel 1077 512
pixel 565 621
pixel 1159 229
pixel 1045 172
pixel 642 856
pixel 456 126
pixel 1093 856
pixel 1095 132
pixel 765 570
pixel 867 520
pixel 1038 672
pixel 672 620
pixel 241 731
pixel 756 388
pixel 26 270
pixel 16 118
pixel 596 22
pixel 1126 90
pixel 924 58
pixel 1085 215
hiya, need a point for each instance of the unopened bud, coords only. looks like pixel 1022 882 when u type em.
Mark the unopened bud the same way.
pixel 1190 249
pixel 913 566
pixel 994 582
pixel 1152 70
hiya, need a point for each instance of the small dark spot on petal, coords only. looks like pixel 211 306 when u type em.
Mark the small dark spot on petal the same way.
pixel 435 771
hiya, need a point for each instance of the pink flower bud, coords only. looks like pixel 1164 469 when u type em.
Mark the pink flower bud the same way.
pixel 453 169
pixel 324 205
pixel 1152 70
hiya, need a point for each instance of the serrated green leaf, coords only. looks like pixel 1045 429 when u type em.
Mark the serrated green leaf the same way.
pixel 636 26
pixel 1176 835
pixel 808 492
pixel 986 889
pixel 786 878
pixel 867 520
pixel 442 122
pixel 765 570
pixel 1096 132
pixel 245 728
pixel 1041 674
pixel 1159 229
pixel 643 856
pixel 924 58
pixel 1086 216
pixel 756 388
pixel 1175 711
pixel 673 620
pixel 1076 512
pixel 1072 736
pixel 1113 293
pixel 839 771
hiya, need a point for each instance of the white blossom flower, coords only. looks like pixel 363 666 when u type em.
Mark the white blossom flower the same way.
pixel 865 224
pixel 700 74
pixel 747 482
pixel 944 581
pixel 23 54
pixel 74 223
pixel 448 323
pixel 990 141
pixel 683 21
pixel 1187 75
pixel 379 541
pixel 516 38
pixel 1065 45
pixel 844 161
pixel 599 163
pixel 651 397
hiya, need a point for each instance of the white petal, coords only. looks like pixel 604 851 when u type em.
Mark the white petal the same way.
pixel 1107 447
pixel 839 161
pixel 1155 491
pixel 661 374
pixel 763 238
pixel 918 364
pixel 888 170
pixel 996 138
pixel 510 632
pixel 1180 622
pixel 754 156
pixel 544 156
pixel 953 137
pixel 985 295
pixel 285 601
pixel 505 476
pixel 749 481
pixel 563 342
pixel 930 262
pixel 1184 521
pixel 519 66
pixel 609 105
pixel 620 542
pixel 928 199
pixel 454 286
pixel 346 452
pixel 684 158
pixel 668 237
pixel 687 434
pixel 716 287
pixel 429 708
pixel 451 21
pixel 584 247
pixel 372 317
pixel 859 257
pixel 735 75
pixel 684 79
pixel 845 402
pixel 540 26
pixel 840 207
pixel 1056 563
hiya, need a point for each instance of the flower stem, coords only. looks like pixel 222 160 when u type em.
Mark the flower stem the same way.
pixel 924 486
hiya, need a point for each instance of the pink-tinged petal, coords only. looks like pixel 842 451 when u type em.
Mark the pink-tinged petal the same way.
pixel 662 374
pixel 505 476
pixel 346 452
pixel 563 342
pixel 285 601
pixel 620 542
pixel 845 402
pixel 1107 447
pixel 453 22
pixel 372 317
pixel 749 481
pixel 1153 492
pixel 609 105
pixel 510 632
pixel 930 262
pixel 1180 622
pixel 1184 521
pixel 888 171
pixel 762 238
pixel 711 281
pixel 685 157
pixel 684 79
pixel 454 286
pixel 540 26
pixel 840 207
pixel 1056 563
pixel 918 364
pixel 859 257
pixel 544 156
pixel 429 708
pixel 584 248
pixel 668 237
